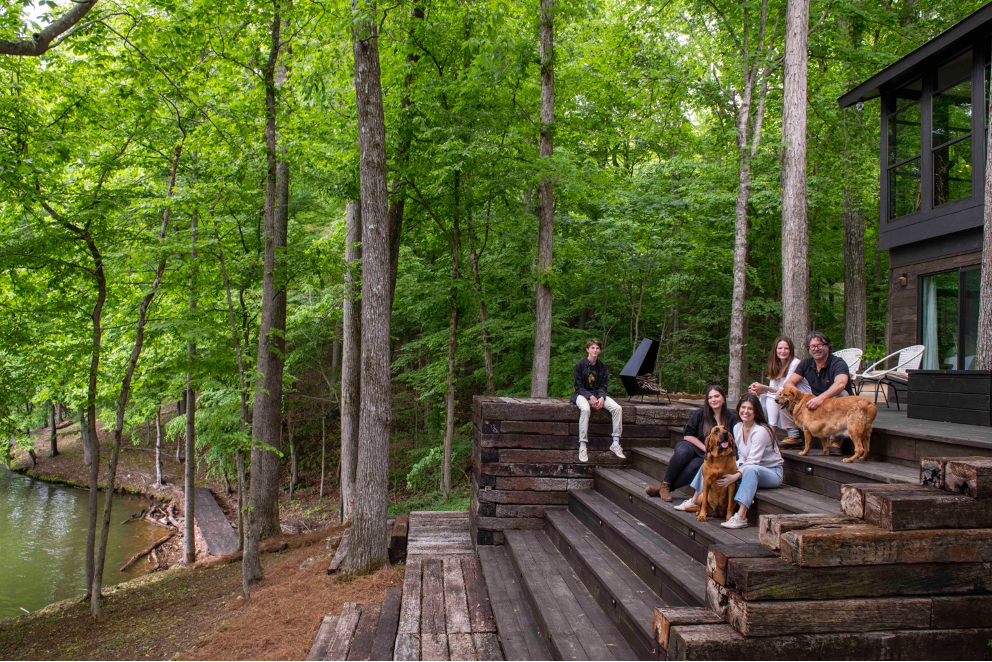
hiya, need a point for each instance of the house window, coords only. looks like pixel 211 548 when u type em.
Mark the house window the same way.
pixel 949 319
pixel 951 132
pixel 904 150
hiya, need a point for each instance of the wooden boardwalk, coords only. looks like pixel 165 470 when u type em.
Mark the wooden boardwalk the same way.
pixel 444 612
pixel 217 532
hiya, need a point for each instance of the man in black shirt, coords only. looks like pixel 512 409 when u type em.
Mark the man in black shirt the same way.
pixel 826 373
pixel 590 379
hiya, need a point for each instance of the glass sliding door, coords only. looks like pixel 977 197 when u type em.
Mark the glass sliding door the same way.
pixel 949 319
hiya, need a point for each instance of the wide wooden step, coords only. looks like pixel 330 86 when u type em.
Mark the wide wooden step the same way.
pixel 518 628
pixel 785 499
pixel 669 571
pixel 626 489
pixel 620 593
pixel 573 625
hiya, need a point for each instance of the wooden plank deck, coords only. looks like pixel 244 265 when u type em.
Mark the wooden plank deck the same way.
pixel 441 534
pixel 892 420
pixel 442 612
pixel 221 539
pixel 445 612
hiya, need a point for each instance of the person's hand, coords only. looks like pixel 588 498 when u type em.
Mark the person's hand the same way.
pixel 727 480
pixel 757 388
pixel 600 402
pixel 815 402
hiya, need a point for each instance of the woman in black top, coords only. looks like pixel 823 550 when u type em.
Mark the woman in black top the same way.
pixel 690 451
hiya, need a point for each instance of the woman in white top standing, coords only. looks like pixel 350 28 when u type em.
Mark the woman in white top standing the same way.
pixel 759 462
pixel 782 362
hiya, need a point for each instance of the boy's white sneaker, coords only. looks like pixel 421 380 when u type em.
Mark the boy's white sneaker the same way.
pixel 618 451
pixel 583 455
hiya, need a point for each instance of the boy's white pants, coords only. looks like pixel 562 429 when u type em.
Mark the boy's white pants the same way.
pixel 616 411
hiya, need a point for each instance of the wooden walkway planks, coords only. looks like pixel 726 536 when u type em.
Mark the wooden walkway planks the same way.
pixel 445 612
pixel 440 534
pixel 221 539
pixel 442 612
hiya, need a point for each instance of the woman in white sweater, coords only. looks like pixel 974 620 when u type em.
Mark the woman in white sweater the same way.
pixel 782 362
pixel 759 462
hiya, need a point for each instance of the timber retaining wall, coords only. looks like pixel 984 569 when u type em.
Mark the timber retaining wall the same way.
pixel 525 455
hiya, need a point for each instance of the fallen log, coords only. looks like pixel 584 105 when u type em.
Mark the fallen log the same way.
pixel 152 520
pixel 148 551
pixel 138 515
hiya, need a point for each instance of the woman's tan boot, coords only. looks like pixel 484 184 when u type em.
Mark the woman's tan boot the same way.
pixel 663 491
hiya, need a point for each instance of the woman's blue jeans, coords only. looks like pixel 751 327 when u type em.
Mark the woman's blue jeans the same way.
pixel 753 476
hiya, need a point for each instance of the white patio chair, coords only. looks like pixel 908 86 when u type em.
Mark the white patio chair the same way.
pixel 852 357
pixel 908 359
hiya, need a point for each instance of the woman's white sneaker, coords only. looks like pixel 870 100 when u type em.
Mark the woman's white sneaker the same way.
pixel 618 451
pixel 688 506
pixel 735 522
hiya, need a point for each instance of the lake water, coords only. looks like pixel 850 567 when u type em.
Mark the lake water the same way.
pixel 43 542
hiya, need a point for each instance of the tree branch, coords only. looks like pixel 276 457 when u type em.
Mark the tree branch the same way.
pixel 41 42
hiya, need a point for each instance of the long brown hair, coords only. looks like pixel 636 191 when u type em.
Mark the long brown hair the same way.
pixel 777 368
pixel 759 414
pixel 709 416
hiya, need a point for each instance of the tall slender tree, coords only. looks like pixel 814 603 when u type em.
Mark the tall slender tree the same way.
pixel 189 542
pixel 263 499
pixel 795 224
pixel 541 364
pixel 351 356
pixel 367 546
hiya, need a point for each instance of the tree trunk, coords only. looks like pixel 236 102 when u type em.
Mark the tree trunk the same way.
pixel 91 433
pixel 483 311
pixel 263 500
pixel 397 204
pixel 983 353
pixel 323 450
pixel 449 415
pixel 367 546
pixel 243 398
pixel 795 232
pixel 53 437
pixel 158 447
pixel 351 356
pixel 189 544
pixel 292 456
pixel 542 313
pixel 240 458
pixel 735 375
pixel 855 285
pixel 122 399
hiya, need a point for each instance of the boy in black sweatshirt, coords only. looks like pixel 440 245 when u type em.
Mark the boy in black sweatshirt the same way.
pixel 590 379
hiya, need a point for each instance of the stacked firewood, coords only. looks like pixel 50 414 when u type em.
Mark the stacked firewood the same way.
pixel 649 382
pixel 903 573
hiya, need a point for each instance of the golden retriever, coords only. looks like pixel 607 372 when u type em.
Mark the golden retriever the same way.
pixel 721 458
pixel 851 416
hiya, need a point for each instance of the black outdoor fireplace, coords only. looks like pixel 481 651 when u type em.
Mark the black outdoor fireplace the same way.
pixel 638 375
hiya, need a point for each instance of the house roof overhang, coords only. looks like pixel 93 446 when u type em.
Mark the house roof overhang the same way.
pixel 929 53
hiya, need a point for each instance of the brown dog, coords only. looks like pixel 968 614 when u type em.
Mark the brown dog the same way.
pixel 721 458
pixel 851 416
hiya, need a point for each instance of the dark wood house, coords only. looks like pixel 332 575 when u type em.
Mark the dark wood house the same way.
pixel 932 168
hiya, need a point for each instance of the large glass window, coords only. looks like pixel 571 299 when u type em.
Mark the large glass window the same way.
pixel 951 134
pixel 904 150
pixel 949 319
